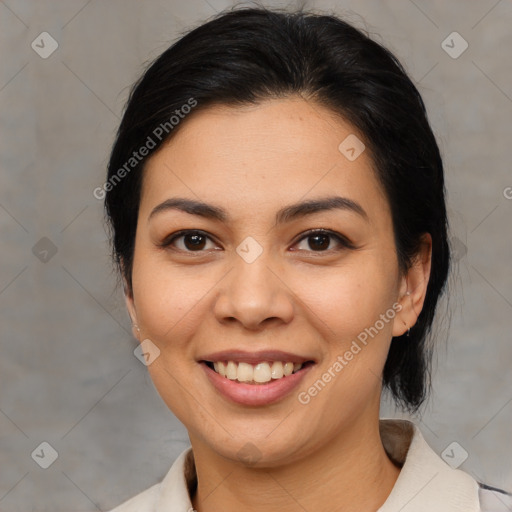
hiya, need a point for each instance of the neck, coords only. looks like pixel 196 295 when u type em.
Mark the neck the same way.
pixel 352 473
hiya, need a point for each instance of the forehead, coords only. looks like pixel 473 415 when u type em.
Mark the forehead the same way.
pixel 263 156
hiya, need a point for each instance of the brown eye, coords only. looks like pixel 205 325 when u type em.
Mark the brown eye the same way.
pixel 194 242
pixel 188 241
pixel 323 240
pixel 319 242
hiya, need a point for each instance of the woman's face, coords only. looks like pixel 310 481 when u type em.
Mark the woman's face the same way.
pixel 248 282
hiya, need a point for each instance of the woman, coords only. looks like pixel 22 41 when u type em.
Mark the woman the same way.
pixel 276 199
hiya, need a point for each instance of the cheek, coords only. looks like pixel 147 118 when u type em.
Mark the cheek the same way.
pixel 167 298
pixel 350 299
pixel 347 309
pixel 339 302
pixel 170 305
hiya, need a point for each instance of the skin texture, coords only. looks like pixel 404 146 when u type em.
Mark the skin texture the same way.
pixel 295 297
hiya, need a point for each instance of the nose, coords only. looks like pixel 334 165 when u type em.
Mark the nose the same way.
pixel 255 295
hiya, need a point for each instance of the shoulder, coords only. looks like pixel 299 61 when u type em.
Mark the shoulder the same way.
pixel 493 499
pixel 171 493
pixel 428 482
pixel 143 502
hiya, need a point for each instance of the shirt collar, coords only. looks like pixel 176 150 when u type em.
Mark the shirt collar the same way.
pixel 425 482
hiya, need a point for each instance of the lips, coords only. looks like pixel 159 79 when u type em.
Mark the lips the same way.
pixel 260 373
pixel 256 368
pixel 255 378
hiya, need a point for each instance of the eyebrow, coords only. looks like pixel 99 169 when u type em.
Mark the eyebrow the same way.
pixel 286 214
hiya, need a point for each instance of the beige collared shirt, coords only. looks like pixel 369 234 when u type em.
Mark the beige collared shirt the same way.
pixel 426 483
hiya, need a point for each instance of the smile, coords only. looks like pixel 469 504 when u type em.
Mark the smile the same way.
pixel 255 378
pixel 259 373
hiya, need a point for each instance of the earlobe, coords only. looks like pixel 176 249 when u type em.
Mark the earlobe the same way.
pixel 414 288
pixel 136 331
pixel 130 306
pixel 401 325
pixel 133 316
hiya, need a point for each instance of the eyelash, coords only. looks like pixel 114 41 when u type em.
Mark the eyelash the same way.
pixel 344 242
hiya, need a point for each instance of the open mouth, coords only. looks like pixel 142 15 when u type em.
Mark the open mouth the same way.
pixel 259 373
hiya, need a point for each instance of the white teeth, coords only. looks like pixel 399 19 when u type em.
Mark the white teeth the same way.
pixel 260 373
pixel 288 369
pixel 245 372
pixel 231 370
pixel 277 370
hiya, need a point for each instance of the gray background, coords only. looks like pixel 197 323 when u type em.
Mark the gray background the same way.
pixel 68 373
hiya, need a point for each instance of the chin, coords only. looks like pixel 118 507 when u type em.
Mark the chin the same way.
pixel 260 451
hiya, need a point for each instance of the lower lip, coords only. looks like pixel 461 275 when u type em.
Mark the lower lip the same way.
pixel 255 394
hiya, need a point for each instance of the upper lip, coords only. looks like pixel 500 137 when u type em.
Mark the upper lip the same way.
pixel 242 356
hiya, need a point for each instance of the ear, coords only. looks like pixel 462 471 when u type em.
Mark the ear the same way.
pixel 413 288
pixel 130 304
